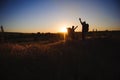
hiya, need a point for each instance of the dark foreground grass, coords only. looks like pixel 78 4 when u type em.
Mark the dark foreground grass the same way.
pixel 96 59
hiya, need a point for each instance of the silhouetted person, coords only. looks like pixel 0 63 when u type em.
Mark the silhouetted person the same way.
pixel 71 32
pixel 85 28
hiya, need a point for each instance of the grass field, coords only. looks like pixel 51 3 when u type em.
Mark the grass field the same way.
pixel 97 58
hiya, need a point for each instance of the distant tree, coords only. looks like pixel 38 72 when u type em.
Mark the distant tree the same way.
pixel 106 30
pixel 2 33
pixel 38 33
pixel 96 30
pixel 2 30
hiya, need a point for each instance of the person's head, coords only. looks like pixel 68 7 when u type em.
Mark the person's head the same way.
pixel 72 27
pixel 84 22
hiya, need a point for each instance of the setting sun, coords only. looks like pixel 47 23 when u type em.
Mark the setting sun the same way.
pixel 63 29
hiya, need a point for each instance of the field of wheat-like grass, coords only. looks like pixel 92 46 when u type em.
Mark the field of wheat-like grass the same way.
pixel 93 59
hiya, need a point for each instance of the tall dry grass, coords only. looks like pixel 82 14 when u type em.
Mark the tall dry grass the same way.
pixel 76 60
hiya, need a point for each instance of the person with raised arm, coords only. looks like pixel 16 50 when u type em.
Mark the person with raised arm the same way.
pixel 73 32
pixel 85 28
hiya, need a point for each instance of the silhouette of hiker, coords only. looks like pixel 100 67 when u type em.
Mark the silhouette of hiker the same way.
pixel 85 28
pixel 71 32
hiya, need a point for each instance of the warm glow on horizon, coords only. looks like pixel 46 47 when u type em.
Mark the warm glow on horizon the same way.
pixel 63 29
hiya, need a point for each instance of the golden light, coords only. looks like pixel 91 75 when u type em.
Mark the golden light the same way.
pixel 63 29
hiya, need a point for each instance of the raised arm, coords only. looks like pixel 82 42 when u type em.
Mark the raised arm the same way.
pixel 75 27
pixel 80 20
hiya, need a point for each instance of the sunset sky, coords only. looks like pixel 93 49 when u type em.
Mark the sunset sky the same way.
pixel 53 15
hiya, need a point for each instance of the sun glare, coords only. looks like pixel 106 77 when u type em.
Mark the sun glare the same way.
pixel 63 29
